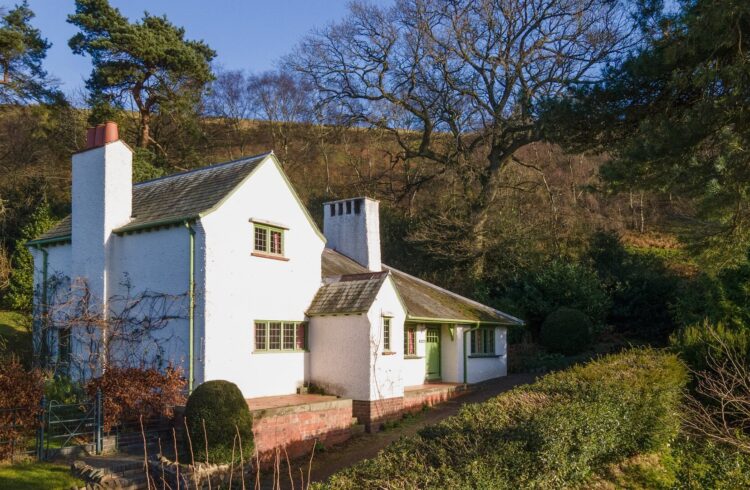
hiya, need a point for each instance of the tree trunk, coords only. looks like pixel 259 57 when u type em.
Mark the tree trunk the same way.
pixel 145 136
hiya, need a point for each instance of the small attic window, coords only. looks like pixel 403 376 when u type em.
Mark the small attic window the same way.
pixel 357 206
pixel 332 207
pixel 348 207
pixel 341 208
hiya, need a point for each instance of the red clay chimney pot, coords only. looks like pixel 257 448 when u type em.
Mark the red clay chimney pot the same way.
pixel 110 132
pixel 99 139
pixel 90 137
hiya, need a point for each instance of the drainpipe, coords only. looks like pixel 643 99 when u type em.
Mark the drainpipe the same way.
pixel 191 306
pixel 466 364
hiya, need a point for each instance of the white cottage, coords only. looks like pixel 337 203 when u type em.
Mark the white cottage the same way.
pixel 270 302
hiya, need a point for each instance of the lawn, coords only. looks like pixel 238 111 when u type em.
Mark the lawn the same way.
pixel 15 336
pixel 33 476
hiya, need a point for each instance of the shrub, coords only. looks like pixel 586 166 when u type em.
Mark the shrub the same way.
pixel 128 393
pixel 220 405
pixel 560 283
pixel 552 434
pixel 696 342
pixel 19 389
pixel 566 331
pixel 642 288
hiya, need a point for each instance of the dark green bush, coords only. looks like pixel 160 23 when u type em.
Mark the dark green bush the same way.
pixel 559 283
pixel 696 342
pixel 566 331
pixel 552 434
pixel 222 407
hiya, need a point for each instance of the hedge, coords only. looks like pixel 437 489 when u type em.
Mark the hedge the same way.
pixel 551 434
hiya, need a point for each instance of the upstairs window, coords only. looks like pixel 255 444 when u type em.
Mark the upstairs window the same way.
pixel 410 341
pixel 386 333
pixel 483 342
pixel 280 336
pixel 268 240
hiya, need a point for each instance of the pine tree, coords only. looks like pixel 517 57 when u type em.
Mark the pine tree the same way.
pixel 20 293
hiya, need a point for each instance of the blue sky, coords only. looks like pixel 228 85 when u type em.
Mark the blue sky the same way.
pixel 249 34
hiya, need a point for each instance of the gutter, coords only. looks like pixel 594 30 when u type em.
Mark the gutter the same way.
pixel 191 306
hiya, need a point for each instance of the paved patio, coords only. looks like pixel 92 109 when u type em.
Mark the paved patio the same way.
pixel 266 402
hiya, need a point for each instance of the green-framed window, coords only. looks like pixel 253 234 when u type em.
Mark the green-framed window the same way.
pixel 386 333
pixel 268 239
pixel 410 341
pixel 274 336
pixel 483 342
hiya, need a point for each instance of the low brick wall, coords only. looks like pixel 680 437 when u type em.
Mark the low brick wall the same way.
pixel 375 412
pixel 415 400
pixel 297 428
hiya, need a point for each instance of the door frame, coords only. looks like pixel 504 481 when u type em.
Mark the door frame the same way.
pixel 439 375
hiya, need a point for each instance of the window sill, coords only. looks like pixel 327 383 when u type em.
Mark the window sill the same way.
pixel 484 356
pixel 281 351
pixel 413 356
pixel 270 256
pixel 389 353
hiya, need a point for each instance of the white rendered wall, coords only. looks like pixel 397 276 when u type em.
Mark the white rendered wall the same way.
pixel 451 360
pixel 101 201
pixel 355 235
pixel 481 368
pixel 415 369
pixel 241 288
pixel 157 262
pixel 386 370
pixel 339 347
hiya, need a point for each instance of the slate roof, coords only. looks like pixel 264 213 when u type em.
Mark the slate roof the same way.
pixel 177 197
pixel 347 294
pixel 422 299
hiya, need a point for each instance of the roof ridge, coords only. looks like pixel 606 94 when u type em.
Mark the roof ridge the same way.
pixel 451 293
pixel 246 159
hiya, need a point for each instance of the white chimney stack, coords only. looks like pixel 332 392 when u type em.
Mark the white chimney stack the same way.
pixel 102 201
pixel 352 227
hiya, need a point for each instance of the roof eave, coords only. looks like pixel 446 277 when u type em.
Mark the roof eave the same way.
pixel 39 242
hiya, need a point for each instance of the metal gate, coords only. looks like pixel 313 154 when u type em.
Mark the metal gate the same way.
pixel 71 425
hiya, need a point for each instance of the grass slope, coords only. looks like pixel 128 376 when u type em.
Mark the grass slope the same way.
pixel 41 476
pixel 15 336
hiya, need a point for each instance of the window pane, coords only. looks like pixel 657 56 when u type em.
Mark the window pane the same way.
pixel 274 334
pixel 289 330
pixel 386 333
pixel 276 242
pixel 300 343
pixel 410 344
pixel 261 239
pixel 261 342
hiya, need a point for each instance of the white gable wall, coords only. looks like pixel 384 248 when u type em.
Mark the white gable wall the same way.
pixel 386 376
pixel 241 288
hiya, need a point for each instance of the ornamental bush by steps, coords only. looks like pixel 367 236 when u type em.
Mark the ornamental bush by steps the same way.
pixel 220 405
pixel 566 331
pixel 552 434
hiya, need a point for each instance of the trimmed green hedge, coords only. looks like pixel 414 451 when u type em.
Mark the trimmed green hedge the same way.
pixel 551 434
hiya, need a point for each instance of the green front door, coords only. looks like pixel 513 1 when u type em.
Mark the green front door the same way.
pixel 432 353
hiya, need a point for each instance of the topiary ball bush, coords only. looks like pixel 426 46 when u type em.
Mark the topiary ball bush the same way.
pixel 222 407
pixel 566 331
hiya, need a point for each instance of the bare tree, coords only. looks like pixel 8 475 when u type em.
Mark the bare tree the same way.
pixel 229 98
pixel 281 98
pixel 458 83
pixel 720 411
pixel 74 334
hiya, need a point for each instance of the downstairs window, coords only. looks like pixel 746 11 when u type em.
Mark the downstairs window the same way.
pixel 271 336
pixel 483 342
